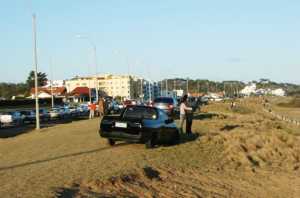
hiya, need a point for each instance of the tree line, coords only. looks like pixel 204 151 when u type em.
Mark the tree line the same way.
pixel 228 87
pixel 8 90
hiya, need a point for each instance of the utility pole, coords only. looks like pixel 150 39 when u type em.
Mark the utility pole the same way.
pixel 161 88
pixel 51 84
pixel 231 90
pixel 166 87
pixel 37 109
pixel 187 86
pixel 207 83
pixel 142 93
pixel 174 84
pixel 90 91
pixel 150 96
pixel 95 64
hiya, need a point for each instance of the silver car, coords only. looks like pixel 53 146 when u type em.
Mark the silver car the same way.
pixel 11 119
pixel 168 104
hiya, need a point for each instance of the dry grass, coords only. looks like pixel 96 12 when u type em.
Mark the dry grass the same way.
pixel 288 107
pixel 236 155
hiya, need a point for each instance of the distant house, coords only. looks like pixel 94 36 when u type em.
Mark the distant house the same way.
pixel 218 96
pixel 199 94
pixel 45 92
pixel 278 92
pixel 81 94
pixel 249 89
pixel 55 83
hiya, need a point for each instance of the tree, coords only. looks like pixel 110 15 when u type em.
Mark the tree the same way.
pixel 42 79
pixel 7 90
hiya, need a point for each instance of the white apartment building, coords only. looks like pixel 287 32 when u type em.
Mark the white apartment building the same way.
pixel 125 86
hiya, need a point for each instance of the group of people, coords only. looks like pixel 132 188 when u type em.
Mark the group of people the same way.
pixel 186 114
pixel 93 108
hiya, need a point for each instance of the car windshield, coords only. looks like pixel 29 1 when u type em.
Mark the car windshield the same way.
pixel 25 112
pixel 164 100
pixel 140 112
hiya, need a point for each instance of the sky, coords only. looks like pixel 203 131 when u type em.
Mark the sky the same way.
pixel 216 40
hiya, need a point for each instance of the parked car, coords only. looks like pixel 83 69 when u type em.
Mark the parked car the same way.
pixel 129 103
pixel 11 119
pixel 28 116
pixel 140 124
pixel 83 110
pixel 74 112
pixel 114 107
pixel 168 104
pixel 44 115
pixel 56 113
pixel 204 100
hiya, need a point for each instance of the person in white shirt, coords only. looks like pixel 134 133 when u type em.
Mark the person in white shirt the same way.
pixel 183 109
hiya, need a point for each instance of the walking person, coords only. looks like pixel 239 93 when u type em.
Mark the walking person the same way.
pixel 183 109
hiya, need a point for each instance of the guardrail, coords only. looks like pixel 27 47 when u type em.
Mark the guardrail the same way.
pixel 281 117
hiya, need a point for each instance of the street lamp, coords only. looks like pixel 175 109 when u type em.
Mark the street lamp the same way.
pixel 150 95
pixel 187 86
pixel 95 62
pixel 37 111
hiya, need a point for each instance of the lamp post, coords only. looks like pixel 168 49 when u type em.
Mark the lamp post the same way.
pixel 51 83
pixel 166 87
pixel 37 111
pixel 187 86
pixel 150 95
pixel 95 62
pixel 142 92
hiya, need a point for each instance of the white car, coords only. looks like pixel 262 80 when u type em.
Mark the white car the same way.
pixel 56 113
pixel 11 119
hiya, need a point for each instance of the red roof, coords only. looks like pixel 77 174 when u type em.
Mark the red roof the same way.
pixel 58 91
pixel 80 91
pixel 197 94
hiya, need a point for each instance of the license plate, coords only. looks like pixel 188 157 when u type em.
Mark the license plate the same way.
pixel 121 125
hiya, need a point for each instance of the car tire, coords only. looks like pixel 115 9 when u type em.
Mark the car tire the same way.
pixel 176 138
pixel 150 143
pixel 111 142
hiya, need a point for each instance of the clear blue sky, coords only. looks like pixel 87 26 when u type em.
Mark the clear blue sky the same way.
pixel 217 40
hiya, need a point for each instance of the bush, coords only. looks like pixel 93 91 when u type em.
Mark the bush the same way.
pixel 242 110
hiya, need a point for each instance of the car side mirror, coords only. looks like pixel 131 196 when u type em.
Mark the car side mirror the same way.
pixel 169 121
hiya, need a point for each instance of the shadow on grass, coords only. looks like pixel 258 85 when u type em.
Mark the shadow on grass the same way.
pixel 203 116
pixel 230 127
pixel 13 131
pixel 59 157
pixel 74 192
pixel 185 137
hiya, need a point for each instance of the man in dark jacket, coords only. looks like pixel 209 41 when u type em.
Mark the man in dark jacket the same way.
pixel 190 115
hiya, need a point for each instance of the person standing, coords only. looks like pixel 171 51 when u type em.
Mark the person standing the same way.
pixel 92 110
pixel 101 107
pixel 183 109
pixel 189 114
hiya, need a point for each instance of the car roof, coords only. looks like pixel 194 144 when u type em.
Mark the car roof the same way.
pixel 142 106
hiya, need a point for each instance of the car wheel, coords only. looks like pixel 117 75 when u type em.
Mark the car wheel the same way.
pixel 176 138
pixel 150 143
pixel 111 142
